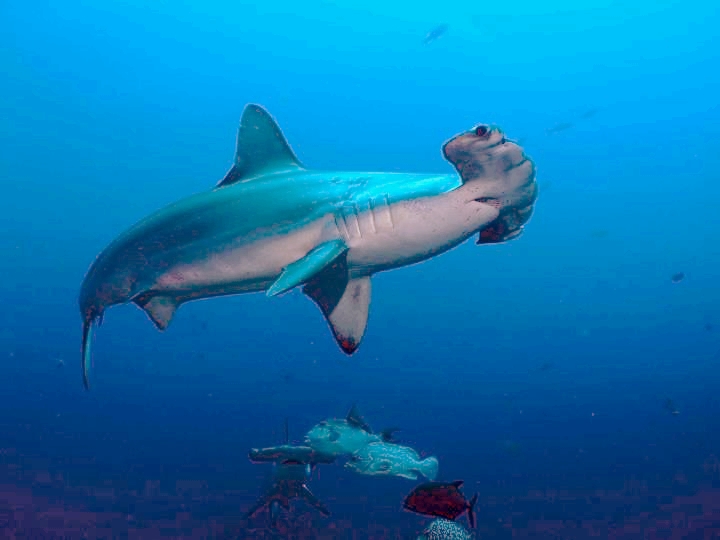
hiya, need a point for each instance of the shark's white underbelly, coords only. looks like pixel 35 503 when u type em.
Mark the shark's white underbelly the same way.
pixel 412 231
pixel 247 267
pixel 380 237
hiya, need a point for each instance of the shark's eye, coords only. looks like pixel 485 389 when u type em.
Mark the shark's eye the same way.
pixel 482 131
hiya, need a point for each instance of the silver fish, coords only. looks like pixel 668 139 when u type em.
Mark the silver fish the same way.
pixel 388 459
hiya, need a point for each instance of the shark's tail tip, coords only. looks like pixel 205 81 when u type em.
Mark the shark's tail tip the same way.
pixel 86 347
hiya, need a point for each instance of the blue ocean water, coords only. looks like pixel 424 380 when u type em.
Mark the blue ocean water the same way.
pixel 532 368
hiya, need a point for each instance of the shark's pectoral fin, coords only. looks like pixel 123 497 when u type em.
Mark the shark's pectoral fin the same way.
pixel 262 501
pixel 313 501
pixel 344 302
pixel 311 264
pixel 160 309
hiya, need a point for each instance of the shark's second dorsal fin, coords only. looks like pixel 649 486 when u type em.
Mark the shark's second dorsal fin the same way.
pixel 261 148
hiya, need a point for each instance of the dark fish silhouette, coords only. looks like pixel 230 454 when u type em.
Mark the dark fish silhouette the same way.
pixel 557 128
pixel 441 499
pixel 545 366
pixel 677 278
pixel 589 113
pixel 670 407
pixel 436 33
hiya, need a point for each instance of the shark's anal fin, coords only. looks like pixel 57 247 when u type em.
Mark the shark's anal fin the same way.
pixel 160 309
pixel 344 302
pixel 311 264
pixel 261 148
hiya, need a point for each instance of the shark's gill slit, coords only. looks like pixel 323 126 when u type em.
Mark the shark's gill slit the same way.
pixel 386 201
pixel 371 213
pixel 356 214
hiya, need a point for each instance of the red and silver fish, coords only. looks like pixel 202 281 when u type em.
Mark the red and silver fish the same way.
pixel 441 499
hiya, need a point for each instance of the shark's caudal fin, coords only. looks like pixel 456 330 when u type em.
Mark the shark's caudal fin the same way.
pixel 471 511
pixel 344 302
pixel 261 148
pixel 86 348
pixel 428 467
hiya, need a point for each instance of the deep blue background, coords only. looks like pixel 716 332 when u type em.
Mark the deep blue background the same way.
pixel 547 360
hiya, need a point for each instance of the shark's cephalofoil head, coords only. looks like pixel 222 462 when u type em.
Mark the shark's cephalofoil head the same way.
pixel 495 171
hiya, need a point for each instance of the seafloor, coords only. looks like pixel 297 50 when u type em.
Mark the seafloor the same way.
pixel 42 503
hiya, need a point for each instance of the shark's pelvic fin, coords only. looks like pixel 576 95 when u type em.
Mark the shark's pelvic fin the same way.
pixel 261 148
pixel 160 309
pixel 344 302
pixel 302 270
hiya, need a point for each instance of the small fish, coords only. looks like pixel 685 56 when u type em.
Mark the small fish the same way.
pixel 337 437
pixel 388 459
pixel 444 529
pixel 670 407
pixel 589 113
pixel 545 366
pixel 557 128
pixel 677 278
pixel 435 33
pixel 709 327
pixel 441 499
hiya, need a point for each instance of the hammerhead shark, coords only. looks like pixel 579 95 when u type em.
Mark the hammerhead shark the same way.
pixel 292 469
pixel 271 224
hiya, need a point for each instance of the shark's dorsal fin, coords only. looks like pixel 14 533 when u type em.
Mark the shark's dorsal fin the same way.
pixel 354 418
pixel 261 148
pixel 344 302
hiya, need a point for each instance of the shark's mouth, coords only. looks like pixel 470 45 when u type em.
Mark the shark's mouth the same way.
pixel 508 225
